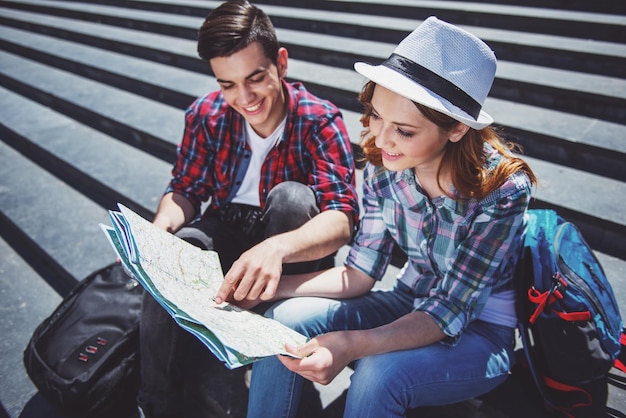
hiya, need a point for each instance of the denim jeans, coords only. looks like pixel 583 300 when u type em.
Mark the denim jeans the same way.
pixel 384 385
pixel 179 375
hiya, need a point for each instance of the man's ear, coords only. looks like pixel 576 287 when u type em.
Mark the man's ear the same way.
pixel 281 62
pixel 458 132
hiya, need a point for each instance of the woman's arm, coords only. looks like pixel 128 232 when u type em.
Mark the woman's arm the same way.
pixel 338 282
pixel 325 356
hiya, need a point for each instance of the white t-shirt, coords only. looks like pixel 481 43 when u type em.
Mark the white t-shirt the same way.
pixel 248 193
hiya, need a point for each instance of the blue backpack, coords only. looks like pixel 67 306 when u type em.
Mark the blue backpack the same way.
pixel 569 321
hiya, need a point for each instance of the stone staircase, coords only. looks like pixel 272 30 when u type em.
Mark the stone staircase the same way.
pixel 93 93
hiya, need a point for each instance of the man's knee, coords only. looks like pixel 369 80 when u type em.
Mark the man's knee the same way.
pixel 196 237
pixel 289 205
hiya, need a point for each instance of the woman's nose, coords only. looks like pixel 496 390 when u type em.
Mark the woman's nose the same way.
pixel 382 137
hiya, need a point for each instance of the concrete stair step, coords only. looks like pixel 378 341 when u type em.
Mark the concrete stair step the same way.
pixel 593 95
pixel 521 82
pixel 589 200
pixel 29 300
pixel 601 6
pixel 570 23
pixel 108 109
pixel 390 7
pixel 102 168
pixel 532 48
pixel 59 225
pixel 319 47
pixel 478 11
pixel 590 95
pixel 49 239
pixel 592 57
pixel 527 75
pixel 579 141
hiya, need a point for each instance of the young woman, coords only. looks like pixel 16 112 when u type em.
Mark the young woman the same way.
pixel 444 187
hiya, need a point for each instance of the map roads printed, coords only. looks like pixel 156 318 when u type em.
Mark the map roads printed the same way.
pixel 184 280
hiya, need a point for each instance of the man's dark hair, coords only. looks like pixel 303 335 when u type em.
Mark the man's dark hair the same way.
pixel 233 26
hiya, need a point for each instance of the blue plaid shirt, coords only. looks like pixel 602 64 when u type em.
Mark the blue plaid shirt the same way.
pixel 459 251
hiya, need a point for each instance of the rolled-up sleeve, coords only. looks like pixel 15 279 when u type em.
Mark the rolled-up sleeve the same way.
pixel 191 173
pixel 372 249
pixel 333 176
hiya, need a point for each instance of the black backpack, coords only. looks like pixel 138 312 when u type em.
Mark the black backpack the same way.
pixel 569 321
pixel 83 358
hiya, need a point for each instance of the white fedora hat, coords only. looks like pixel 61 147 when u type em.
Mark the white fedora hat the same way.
pixel 442 67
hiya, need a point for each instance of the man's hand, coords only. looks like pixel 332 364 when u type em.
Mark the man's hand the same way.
pixel 322 358
pixel 254 276
pixel 174 212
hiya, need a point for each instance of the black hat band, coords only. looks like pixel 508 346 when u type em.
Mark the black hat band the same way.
pixel 434 82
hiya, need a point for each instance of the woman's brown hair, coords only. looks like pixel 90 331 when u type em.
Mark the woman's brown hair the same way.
pixel 465 158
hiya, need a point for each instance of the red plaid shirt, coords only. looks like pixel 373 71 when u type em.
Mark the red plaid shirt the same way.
pixel 314 150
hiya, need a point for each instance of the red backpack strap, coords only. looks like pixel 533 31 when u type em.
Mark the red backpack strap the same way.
pixel 574 316
pixel 562 387
pixel 620 361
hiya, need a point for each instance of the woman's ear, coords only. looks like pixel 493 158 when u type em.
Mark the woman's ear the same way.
pixel 458 132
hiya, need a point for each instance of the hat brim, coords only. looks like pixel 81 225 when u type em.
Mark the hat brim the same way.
pixel 408 88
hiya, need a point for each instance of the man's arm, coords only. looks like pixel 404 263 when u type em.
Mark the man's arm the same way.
pixel 174 212
pixel 256 274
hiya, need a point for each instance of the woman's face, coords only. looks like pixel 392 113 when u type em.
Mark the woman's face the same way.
pixel 407 139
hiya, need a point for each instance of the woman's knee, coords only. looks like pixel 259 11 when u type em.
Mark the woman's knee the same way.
pixel 306 315
pixel 376 377
pixel 377 388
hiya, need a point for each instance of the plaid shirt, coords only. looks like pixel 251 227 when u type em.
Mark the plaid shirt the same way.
pixel 314 150
pixel 459 252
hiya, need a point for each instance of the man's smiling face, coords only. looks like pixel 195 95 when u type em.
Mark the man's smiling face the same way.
pixel 251 84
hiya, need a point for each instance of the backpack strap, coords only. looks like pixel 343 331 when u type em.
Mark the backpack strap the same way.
pixel 562 387
pixel 543 300
pixel 620 361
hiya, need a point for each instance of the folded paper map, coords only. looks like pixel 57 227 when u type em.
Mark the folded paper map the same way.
pixel 184 280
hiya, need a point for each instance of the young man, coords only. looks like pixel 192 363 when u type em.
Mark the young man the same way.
pixel 275 165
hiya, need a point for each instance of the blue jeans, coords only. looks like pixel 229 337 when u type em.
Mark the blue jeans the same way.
pixel 384 385
pixel 180 377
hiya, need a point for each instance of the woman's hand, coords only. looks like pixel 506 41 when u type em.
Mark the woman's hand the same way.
pixel 325 356
pixel 322 358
